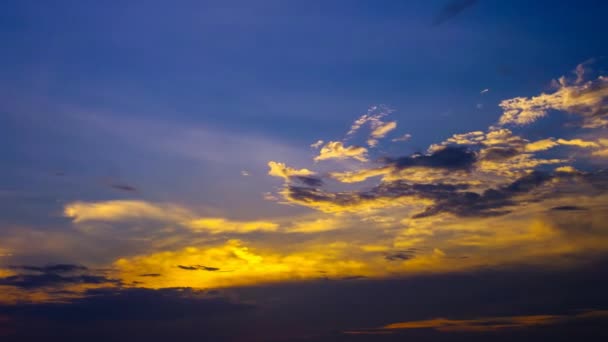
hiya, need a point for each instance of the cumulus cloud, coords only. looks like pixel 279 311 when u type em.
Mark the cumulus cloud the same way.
pixel 337 150
pixel 477 173
pixel 589 100
pixel 283 171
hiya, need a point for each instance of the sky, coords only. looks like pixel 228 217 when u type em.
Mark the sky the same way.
pixel 303 170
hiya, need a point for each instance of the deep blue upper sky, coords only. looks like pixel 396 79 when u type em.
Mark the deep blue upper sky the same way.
pixel 292 71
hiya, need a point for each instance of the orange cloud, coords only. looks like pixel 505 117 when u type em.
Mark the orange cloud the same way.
pixel 484 324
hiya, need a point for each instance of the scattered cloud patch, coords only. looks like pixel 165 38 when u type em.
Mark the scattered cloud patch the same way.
pixel 337 150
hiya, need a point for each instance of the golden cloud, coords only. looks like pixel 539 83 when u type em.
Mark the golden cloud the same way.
pixel 337 150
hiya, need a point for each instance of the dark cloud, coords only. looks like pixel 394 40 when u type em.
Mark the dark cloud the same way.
pixel 451 9
pixel 568 208
pixel 123 187
pixel 133 314
pixel 499 153
pixel 308 180
pixel 32 277
pixel 32 281
pixel 401 255
pixel 488 203
pixel 306 194
pixel 455 198
pixel 56 268
pixel 198 268
pixel 449 158
pixel 354 277
pixel 150 275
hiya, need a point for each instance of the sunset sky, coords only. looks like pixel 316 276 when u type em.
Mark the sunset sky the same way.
pixel 303 170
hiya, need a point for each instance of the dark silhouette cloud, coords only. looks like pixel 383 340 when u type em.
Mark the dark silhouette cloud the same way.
pixel 308 180
pixel 150 275
pixel 455 198
pixel 451 9
pixel 354 277
pixel 499 153
pixel 198 268
pixel 56 268
pixel 31 277
pixel 449 158
pixel 401 255
pixel 123 187
pixel 488 203
pixel 31 281
pixel 568 208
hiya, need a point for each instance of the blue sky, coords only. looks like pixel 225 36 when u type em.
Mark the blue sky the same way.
pixel 136 136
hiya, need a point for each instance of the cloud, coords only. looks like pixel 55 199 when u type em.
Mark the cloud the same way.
pixel 30 283
pixel 568 208
pixel 134 304
pixel 315 226
pixel 416 167
pixel 484 91
pixel 437 198
pixel 56 268
pixel 541 145
pixel 133 211
pixel 578 143
pixel 401 255
pixel 337 150
pixel 486 324
pixel 117 210
pixel 308 181
pixel 247 265
pixel 378 128
pixel 123 187
pixel 317 144
pixel 379 131
pixel 221 225
pixel 451 9
pixel 352 201
pixel 283 171
pixel 198 268
pixel 490 202
pixel 587 100
pixel 373 116
pixel 404 137
pixel 449 158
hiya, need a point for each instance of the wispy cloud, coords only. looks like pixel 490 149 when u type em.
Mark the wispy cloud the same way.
pixel 484 324
pixel 451 9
